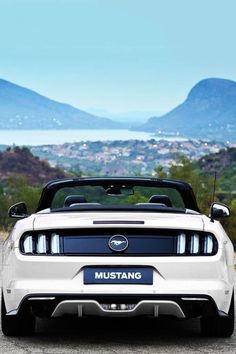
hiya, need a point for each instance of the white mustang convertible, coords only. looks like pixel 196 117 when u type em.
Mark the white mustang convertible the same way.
pixel 118 247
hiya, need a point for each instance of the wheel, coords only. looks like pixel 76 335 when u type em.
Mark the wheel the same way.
pixel 217 326
pixel 17 325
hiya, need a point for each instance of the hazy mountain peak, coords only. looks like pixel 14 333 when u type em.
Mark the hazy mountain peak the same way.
pixel 209 112
pixel 213 87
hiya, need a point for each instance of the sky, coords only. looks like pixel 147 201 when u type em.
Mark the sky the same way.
pixel 115 57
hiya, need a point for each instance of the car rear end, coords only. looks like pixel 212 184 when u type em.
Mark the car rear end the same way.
pixel 118 247
pixel 170 266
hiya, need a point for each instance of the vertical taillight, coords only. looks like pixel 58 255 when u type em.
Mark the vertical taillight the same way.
pixel 194 244
pixel 55 244
pixel 181 244
pixel 28 244
pixel 41 244
pixel 208 244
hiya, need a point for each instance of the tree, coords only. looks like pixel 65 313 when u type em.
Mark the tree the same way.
pixel 159 172
pixel 185 170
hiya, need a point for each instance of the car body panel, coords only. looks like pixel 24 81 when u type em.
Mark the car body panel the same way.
pixel 86 219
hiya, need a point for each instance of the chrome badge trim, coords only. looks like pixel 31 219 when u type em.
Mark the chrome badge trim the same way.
pixel 118 243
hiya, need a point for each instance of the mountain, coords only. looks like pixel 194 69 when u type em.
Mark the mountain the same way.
pixel 209 112
pixel 21 108
pixel 20 161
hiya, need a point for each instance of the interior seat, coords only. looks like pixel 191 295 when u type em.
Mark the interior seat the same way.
pixel 74 199
pixel 161 199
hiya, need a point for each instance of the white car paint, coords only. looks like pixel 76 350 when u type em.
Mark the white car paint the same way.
pixel 203 275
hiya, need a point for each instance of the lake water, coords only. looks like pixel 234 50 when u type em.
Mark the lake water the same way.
pixel 44 137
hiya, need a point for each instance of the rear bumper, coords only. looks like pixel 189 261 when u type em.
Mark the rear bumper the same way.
pixel 126 305
pixel 174 278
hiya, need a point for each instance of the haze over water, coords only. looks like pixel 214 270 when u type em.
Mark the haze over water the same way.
pixel 44 137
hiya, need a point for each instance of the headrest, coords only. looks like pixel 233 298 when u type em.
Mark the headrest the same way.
pixel 73 199
pixel 163 199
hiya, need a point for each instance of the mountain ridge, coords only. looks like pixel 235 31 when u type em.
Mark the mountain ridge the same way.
pixel 208 112
pixel 22 108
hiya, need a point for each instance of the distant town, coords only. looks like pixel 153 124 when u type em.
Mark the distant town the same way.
pixel 131 157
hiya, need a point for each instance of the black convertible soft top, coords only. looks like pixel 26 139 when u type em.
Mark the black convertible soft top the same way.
pixel 53 187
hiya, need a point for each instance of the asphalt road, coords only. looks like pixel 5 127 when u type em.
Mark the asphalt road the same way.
pixel 102 336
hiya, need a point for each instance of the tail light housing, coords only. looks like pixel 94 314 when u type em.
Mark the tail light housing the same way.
pixel 149 242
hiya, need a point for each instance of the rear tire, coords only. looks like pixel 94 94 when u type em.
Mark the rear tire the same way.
pixel 17 325
pixel 217 326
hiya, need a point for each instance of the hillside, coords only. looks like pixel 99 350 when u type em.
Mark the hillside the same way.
pixel 218 162
pixel 20 161
pixel 21 108
pixel 209 112
pixel 224 164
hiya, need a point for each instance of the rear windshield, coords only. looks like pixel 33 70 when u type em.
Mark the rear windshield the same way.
pixel 128 196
